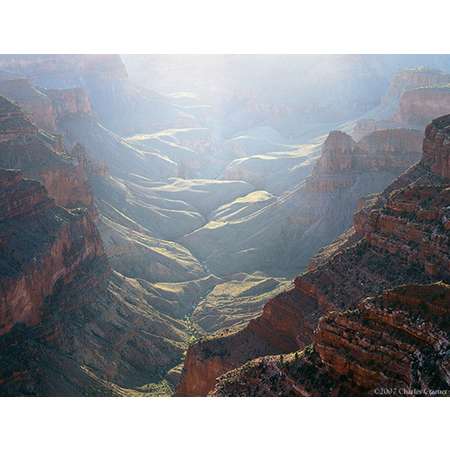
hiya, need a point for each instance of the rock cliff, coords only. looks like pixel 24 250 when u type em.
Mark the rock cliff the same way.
pixel 42 245
pixel 418 106
pixel 342 159
pixel 406 80
pixel 394 344
pixel 41 156
pixel 36 104
pixel 69 325
pixel 400 237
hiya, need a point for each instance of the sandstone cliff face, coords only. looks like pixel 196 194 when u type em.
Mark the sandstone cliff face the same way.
pixel 69 325
pixel 414 98
pixel 12 121
pixel 418 106
pixel 45 107
pixel 400 238
pixel 62 309
pixel 342 159
pixel 436 147
pixel 36 104
pixel 407 80
pixel 41 245
pixel 396 343
pixel 41 156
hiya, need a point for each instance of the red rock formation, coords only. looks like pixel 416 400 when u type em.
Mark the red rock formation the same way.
pixel 339 154
pixel 342 159
pixel 436 147
pixel 414 98
pixel 402 239
pixel 393 344
pixel 418 106
pixel 35 103
pixel 41 245
pixel 409 79
pixel 391 149
pixel 12 122
pixel 41 156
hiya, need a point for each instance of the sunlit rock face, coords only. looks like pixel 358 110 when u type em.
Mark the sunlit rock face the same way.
pixel 400 237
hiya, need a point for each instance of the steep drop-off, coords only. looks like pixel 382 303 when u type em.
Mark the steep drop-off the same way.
pixel 394 344
pixel 400 237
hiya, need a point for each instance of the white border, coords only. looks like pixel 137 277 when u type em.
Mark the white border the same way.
pixel 225 26
pixel 223 424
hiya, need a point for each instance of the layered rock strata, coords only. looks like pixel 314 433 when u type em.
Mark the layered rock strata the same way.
pixel 400 237
pixel 41 156
pixel 394 344
pixel 41 245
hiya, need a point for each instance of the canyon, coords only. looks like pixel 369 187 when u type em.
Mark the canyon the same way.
pixel 149 237
pixel 399 237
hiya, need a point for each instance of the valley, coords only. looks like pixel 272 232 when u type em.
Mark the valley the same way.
pixel 158 232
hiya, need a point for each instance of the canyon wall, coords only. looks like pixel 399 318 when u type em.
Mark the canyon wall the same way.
pixel 35 103
pixel 393 344
pixel 41 245
pixel 41 156
pixel 401 237
pixel 419 105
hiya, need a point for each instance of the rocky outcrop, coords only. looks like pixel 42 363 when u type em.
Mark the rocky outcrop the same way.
pixel 35 103
pixel 400 238
pixel 409 79
pixel 413 222
pixel 418 106
pixel 69 325
pixel 394 344
pixel 45 107
pixel 12 122
pixel 41 245
pixel 342 159
pixel 41 156
pixel 414 98
pixel 436 147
